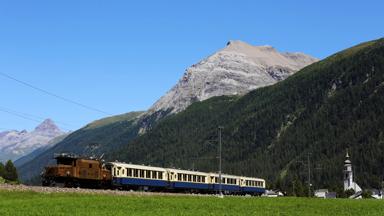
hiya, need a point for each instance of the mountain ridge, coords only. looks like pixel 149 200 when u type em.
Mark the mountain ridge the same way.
pixel 15 144
pixel 236 69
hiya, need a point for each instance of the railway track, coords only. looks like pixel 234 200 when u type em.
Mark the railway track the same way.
pixel 49 190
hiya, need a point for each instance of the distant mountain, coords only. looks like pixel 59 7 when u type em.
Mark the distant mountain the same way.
pixel 15 144
pixel 320 111
pixel 28 157
pixel 234 70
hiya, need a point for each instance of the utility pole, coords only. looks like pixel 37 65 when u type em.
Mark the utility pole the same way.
pixel 309 176
pixel 220 180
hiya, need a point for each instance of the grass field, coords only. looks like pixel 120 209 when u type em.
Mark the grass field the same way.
pixel 32 203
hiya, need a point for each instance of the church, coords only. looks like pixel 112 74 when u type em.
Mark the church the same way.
pixel 348 176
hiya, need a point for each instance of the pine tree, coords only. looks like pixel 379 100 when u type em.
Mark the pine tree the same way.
pixel 2 169
pixel 10 171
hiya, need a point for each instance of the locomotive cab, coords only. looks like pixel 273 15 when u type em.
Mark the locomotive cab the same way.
pixel 72 170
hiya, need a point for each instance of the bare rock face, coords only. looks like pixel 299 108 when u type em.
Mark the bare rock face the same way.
pixel 15 144
pixel 234 70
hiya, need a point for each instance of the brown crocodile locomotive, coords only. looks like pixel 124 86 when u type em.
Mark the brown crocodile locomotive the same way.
pixel 74 171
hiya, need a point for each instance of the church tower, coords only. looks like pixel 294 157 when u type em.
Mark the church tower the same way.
pixel 348 174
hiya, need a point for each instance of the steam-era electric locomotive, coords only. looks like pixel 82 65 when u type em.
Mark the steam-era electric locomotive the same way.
pixel 74 171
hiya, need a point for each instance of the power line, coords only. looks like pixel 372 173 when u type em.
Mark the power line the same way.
pixel 36 117
pixel 25 116
pixel 18 115
pixel 53 94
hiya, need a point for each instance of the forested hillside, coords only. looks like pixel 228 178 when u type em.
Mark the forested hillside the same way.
pixel 325 108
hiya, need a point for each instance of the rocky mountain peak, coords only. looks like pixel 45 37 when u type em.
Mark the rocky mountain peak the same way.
pixel 14 144
pixel 236 69
pixel 47 126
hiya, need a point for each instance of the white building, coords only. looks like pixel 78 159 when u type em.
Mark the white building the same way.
pixel 325 194
pixel 348 176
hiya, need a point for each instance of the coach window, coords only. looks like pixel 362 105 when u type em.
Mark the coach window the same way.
pixel 135 173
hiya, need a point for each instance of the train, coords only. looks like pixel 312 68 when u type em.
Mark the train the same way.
pixel 75 171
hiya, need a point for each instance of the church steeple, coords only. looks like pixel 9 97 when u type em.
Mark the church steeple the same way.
pixel 347 161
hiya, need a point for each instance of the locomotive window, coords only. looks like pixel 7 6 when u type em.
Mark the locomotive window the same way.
pixel 203 178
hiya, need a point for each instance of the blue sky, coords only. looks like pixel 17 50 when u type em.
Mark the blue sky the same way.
pixel 121 56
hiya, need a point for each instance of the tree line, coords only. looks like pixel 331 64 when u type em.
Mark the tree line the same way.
pixel 8 171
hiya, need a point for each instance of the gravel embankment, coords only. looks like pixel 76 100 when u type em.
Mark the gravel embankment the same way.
pixel 48 190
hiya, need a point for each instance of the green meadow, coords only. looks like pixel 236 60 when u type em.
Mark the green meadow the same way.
pixel 33 203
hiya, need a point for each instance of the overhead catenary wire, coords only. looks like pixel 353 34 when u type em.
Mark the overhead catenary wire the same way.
pixel 29 117
pixel 53 94
pixel 18 115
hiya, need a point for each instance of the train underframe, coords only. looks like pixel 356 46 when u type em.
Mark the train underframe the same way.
pixel 69 182
pixel 75 183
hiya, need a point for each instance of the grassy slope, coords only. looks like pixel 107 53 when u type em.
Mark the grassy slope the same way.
pixel 30 203
pixel 269 129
